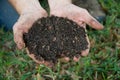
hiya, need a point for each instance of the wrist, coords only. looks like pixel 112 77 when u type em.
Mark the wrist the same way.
pixel 38 11
pixel 58 3
pixel 34 15
pixel 25 6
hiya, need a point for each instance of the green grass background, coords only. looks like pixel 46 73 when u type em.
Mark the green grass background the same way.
pixel 103 62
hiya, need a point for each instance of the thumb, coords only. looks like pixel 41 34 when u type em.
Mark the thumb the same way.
pixel 88 19
pixel 18 37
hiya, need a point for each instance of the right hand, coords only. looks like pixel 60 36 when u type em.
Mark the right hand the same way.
pixel 22 26
pixel 24 23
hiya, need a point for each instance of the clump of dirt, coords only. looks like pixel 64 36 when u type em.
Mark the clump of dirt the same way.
pixel 53 37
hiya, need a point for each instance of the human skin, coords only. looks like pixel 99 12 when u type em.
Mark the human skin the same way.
pixel 65 8
pixel 31 10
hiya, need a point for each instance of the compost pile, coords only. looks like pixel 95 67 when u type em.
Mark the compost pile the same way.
pixel 54 37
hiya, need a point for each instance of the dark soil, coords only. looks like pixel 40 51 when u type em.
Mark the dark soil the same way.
pixel 54 37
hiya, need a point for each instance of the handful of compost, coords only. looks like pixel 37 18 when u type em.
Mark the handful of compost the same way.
pixel 52 38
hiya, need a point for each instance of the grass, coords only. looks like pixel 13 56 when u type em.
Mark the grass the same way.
pixel 103 62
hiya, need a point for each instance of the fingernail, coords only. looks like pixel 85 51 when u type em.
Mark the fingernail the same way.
pixel 98 25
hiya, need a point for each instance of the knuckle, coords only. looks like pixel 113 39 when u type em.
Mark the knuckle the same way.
pixel 44 13
pixel 85 11
pixel 14 27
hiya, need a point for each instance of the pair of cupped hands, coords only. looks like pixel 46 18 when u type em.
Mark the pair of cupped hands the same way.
pixel 79 15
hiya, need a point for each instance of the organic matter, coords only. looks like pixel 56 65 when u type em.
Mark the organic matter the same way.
pixel 53 37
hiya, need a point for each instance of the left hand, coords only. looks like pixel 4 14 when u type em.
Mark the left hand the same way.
pixel 78 15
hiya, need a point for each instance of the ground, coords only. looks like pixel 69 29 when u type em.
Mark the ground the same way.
pixel 102 63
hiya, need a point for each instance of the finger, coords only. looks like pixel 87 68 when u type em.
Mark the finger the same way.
pixel 85 52
pixel 46 63
pixel 87 18
pixel 18 38
pixel 31 55
pixel 64 59
pixel 76 58
pixel 82 24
